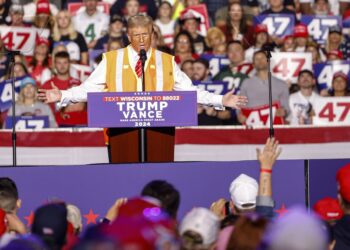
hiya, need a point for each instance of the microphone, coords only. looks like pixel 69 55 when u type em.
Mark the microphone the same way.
pixel 143 56
pixel 269 46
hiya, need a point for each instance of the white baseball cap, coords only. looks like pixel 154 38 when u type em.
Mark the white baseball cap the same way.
pixel 202 221
pixel 244 190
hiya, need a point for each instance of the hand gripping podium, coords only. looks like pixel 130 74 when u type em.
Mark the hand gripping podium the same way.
pixel 125 114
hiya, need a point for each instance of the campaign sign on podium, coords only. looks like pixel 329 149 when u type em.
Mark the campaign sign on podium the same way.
pixel 142 109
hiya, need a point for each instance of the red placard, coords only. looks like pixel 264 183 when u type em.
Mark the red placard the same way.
pixel 260 116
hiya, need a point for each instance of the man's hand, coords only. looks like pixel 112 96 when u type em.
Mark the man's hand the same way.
pixel 50 95
pixel 15 224
pixel 234 101
pixel 268 156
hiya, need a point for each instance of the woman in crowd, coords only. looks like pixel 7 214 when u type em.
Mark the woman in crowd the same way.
pixel 183 47
pixel 165 23
pixel 236 28
pixel 340 85
pixel 28 104
pixel 216 41
pixel 64 32
pixel 39 67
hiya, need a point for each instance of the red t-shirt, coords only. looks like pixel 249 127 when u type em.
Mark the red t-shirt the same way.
pixel 75 118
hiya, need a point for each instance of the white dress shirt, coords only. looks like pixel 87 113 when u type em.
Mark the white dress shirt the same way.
pixel 96 82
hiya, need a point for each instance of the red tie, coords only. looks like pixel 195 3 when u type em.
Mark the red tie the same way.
pixel 138 68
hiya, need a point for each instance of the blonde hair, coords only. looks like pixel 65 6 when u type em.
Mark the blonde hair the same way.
pixel 214 31
pixel 140 21
pixel 56 34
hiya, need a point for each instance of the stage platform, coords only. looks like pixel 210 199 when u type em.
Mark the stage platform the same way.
pixel 72 146
pixel 94 188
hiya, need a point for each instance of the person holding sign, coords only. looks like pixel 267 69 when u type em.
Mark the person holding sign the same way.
pixel 302 102
pixel 28 104
pixel 257 90
pixel 119 71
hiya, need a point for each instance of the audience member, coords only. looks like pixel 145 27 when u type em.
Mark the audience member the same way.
pixel 199 229
pixel 302 102
pixel 28 104
pixel 166 23
pixel 64 33
pixel 91 23
pixel 184 47
pixel 216 41
pixel 256 88
pixel 340 85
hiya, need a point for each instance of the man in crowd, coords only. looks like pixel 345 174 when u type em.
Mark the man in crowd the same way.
pixel 257 88
pixel 301 103
pixel 91 23
pixel 73 114
pixel 234 73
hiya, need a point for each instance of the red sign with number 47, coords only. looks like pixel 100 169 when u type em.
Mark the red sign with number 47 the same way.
pixel 332 110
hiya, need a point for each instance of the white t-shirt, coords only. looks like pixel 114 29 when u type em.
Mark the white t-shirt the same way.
pixel 168 32
pixel 300 106
pixel 91 27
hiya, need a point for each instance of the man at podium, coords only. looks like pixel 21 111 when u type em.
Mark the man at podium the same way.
pixel 121 71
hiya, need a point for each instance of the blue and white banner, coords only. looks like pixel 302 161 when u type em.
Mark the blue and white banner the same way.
pixel 324 72
pixel 28 122
pixel 216 87
pixel 279 25
pixel 318 26
pixel 6 92
pixel 216 63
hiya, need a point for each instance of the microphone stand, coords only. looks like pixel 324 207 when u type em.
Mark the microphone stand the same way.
pixel 142 131
pixel 268 56
pixel 11 55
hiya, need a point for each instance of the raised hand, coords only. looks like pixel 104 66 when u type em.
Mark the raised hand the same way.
pixel 268 156
pixel 234 101
pixel 50 95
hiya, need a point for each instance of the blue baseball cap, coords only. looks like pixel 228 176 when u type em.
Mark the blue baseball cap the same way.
pixel 27 80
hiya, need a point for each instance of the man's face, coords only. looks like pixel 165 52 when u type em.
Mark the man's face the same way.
pixel 62 66
pixel 16 18
pixel 306 81
pixel 200 72
pixel 260 62
pixel 276 3
pixel 191 25
pixel 235 54
pixel 187 67
pixel 91 5
pixel 140 37
pixel 132 8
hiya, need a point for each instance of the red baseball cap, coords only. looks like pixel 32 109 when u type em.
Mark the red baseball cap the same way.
pixel 328 209
pixel 300 30
pixel 340 74
pixel 43 7
pixel 261 28
pixel 42 40
pixel 343 179
pixel 336 53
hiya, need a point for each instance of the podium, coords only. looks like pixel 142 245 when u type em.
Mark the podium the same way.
pixel 126 113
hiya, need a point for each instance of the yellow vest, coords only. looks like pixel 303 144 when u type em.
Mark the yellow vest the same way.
pixel 120 77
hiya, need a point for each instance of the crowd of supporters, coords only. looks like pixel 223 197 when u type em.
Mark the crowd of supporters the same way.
pixel 245 221
pixel 218 44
